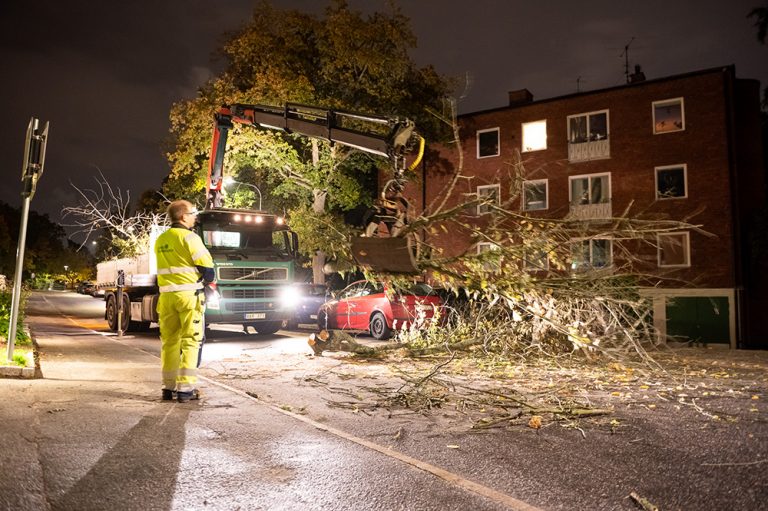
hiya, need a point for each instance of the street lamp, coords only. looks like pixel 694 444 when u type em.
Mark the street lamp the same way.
pixel 230 180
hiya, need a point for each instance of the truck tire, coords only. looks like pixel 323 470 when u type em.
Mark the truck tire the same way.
pixel 268 327
pixel 126 323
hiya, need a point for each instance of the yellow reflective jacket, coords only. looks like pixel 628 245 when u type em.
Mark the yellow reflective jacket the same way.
pixel 179 251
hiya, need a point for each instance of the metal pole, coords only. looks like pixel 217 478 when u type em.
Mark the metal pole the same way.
pixel 16 295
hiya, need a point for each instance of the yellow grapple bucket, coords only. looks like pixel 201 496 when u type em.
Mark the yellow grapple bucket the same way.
pixel 385 255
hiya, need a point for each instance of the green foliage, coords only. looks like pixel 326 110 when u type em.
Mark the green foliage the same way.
pixel 344 60
pixel 5 316
pixel 325 231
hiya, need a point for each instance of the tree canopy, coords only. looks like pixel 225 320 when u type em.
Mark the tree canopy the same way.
pixel 343 60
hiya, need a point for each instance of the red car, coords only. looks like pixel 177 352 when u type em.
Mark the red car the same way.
pixel 372 307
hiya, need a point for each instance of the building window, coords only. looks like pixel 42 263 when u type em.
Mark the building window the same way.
pixel 535 195
pixel 488 143
pixel 668 116
pixel 534 136
pixel 674 249
pixel 671 182
pixel 485 246
pixel 588 127
pixel 489 193
pixel 588 136
pixel 590 189
pixel 591 254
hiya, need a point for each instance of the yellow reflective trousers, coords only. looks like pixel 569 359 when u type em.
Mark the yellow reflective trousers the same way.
pixel 181 332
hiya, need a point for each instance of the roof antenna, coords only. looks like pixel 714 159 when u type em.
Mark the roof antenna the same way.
pixel 578 84
pixel 625 54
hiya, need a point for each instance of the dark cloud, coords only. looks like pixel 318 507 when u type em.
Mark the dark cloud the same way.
pixel 105 74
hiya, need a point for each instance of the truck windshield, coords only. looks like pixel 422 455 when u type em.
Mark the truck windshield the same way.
pixel 243 239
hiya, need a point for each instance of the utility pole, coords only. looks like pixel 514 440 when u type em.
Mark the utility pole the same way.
pixel 31 170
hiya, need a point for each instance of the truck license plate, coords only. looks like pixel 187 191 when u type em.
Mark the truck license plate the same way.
pixel 255 315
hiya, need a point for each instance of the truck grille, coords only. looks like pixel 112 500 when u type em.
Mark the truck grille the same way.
pixel 249 306
pixel 249 294
pixel 252 274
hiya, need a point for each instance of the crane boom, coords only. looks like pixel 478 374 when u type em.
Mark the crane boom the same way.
pixel 387 136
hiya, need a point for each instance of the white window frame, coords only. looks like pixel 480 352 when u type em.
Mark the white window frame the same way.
pixel 590 176
pixel 483 208
pixel 685 180
pixel 686 248
pixel 485 246
pixel 587 114
pixel 662 103
pixel 498 142
pixel 531 123
pixel 523 200
pixel 591 266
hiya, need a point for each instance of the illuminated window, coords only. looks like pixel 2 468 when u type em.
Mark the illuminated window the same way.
pixel 534 136
pixel 491 194
pixel 671 182
pixel 674 249
pixel 591 254
pixel 668 116
pixel 535 195
pixel 488 143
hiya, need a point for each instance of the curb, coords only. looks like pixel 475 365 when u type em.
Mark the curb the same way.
pixel 19 372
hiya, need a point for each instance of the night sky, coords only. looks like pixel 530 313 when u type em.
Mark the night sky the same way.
pixel 105 73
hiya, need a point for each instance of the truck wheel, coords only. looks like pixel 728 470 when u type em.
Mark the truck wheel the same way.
pixel 378 327
pixel 110 312
pixel 125 322
pixel 268 327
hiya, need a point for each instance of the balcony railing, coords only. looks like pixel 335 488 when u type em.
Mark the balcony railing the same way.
pixel 600 211
pixel 585 151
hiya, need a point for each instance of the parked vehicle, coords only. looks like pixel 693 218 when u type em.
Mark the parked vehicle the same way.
pixel 307 299
pixel 86 287
pixel 377 309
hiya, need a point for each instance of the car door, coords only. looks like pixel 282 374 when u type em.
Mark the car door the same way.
pixel 359 308
pixel 344 301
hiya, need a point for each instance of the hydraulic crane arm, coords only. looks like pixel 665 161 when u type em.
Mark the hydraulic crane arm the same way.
pixel 389 137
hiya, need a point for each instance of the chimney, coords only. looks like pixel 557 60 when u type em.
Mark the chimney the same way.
pixel 638 75
pixel 520 97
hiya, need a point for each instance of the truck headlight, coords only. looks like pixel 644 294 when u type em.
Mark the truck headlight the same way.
pixel 289 297
pixel 212 297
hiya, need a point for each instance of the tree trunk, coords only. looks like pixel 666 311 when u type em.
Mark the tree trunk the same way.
pixel 318 207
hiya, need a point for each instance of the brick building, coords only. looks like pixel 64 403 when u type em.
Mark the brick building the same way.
pixel 681 147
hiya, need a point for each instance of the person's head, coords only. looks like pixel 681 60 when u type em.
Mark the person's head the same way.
pixel 182 212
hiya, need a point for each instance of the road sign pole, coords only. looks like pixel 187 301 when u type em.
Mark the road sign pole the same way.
pixel 16 293
pixel 32 169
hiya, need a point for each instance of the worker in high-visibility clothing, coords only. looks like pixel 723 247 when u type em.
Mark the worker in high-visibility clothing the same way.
pixel 184 266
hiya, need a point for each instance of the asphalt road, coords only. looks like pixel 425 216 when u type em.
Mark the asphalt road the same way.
pixel 270 434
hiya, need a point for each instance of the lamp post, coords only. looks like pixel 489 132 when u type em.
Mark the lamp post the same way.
pixel 229 180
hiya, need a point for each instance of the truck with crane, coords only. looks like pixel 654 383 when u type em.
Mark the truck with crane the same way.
pixel 254 252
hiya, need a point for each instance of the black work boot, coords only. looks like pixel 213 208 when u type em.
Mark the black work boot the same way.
pixel 168 394
pixel 184 397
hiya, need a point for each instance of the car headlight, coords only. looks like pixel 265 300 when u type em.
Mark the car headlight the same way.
pixel 289 297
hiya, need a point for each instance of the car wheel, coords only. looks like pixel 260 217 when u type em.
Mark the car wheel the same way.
pixel 378 327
